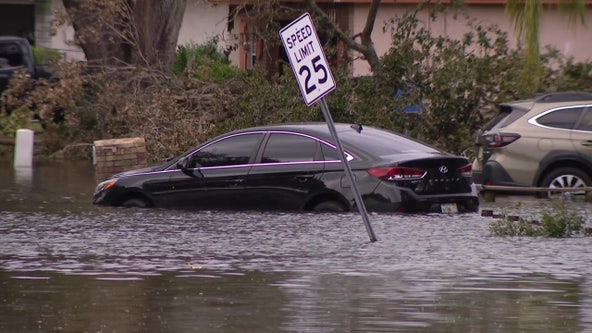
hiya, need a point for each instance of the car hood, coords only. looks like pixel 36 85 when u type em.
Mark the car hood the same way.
pixel 138 171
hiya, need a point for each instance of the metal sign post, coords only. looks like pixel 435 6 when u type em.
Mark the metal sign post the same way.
pixel 357 195
pixel 315 80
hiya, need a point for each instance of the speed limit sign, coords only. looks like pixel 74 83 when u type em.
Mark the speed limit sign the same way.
pixel 307 59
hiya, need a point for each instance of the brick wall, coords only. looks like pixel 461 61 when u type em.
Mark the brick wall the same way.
pixel 118 155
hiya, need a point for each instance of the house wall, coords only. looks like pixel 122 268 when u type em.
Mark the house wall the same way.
pixel 61 37
pixel 201 22
pixel 571 39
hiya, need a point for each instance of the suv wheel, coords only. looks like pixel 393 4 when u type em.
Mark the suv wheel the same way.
pixel 566 177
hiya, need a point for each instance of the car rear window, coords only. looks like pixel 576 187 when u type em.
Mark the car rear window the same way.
pixel 383 143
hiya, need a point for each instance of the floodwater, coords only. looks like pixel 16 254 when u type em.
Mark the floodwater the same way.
pixel 67 266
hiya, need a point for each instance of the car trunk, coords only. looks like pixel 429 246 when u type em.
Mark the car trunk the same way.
pixel 443 176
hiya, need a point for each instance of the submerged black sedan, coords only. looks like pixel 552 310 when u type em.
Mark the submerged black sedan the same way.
pixel 296 167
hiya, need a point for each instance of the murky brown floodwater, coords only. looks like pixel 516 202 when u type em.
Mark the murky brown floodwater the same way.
pixel 67 266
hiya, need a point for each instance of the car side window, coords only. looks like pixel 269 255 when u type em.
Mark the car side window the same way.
pixel 330 153
pixel 586 122
pixel 284 147
pixel 235 150
pixel 562 118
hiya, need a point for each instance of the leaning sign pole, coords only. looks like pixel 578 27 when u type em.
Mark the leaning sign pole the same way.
pixel 315 80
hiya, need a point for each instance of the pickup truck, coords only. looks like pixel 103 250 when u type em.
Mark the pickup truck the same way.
pixel 16 54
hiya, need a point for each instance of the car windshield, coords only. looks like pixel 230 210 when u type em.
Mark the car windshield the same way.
pixel 383 143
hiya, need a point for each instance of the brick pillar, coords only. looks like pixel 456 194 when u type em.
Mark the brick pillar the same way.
pixel 118 155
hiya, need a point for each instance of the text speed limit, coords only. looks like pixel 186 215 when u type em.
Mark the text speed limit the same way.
pixel 307 59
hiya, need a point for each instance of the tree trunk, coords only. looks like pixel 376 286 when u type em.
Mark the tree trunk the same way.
pixel 158 23
pixel 366 45
pixel 127 32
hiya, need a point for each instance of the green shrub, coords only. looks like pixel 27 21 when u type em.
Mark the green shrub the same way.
pixel 18 119
pixel 204 61
pixel 46 56
pixel 557 221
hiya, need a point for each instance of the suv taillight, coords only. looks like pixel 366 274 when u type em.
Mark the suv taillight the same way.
pixel 466 170
pixel 496 140
pixel 397 173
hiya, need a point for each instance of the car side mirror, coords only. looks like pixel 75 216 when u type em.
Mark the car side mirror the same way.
pixel 183 163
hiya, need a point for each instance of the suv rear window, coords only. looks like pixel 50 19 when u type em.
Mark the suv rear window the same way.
pixel 507 115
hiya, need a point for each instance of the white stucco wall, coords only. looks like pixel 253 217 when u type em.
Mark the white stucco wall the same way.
pixel 203 21
pixel 62 37
pixel 571 39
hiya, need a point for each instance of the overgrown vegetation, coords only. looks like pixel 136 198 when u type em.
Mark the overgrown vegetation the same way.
pixel 457 82
pixel 46 56
pixel 204 62
pixel 556 221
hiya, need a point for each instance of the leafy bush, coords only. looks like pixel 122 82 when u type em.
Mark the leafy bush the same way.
pixel 18 119
pixel 557 221
pixel 204 62
pixel 46 56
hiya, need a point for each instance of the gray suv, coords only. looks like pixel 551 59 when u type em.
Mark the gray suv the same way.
pixel 545 141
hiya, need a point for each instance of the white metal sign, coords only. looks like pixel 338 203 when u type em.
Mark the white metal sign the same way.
pixel 307 59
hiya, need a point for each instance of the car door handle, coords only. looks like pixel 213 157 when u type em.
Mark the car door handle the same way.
pixel 304 178
pixel 235 182
pixel 587 143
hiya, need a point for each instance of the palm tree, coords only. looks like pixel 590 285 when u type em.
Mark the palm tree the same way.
pixel 527 15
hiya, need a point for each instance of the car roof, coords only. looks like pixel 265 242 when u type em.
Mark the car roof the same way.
pixel 320 129
pixel 523 109
pixel 544 99
pixel 365 139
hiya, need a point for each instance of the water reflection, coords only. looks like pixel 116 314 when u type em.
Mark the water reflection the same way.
pixel 256 301
pixel 23 177
pixel 68 266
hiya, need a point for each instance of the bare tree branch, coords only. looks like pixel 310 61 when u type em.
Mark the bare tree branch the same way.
pixel 366 45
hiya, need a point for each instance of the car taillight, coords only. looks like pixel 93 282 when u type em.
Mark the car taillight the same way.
pixel 466 170
pixel 496 140
pixel 397 173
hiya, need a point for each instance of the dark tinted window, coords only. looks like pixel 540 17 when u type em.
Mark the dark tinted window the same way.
pixel 10 55
pixel 330 153
pixel 562 118
pixel 586 122
pixel 383 143
pixel 283 147
pixel 508 114
pixel 230 151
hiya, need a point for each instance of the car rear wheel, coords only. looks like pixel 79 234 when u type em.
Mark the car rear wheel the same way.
pixel 329 206
pixel 136 202
pixel 566 178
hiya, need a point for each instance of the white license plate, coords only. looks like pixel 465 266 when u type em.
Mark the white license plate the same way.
pixel 449 208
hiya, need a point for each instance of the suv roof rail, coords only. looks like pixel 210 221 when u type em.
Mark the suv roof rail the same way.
pixel 563 96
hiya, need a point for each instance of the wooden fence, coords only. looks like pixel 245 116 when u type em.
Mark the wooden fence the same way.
pixel 489 191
